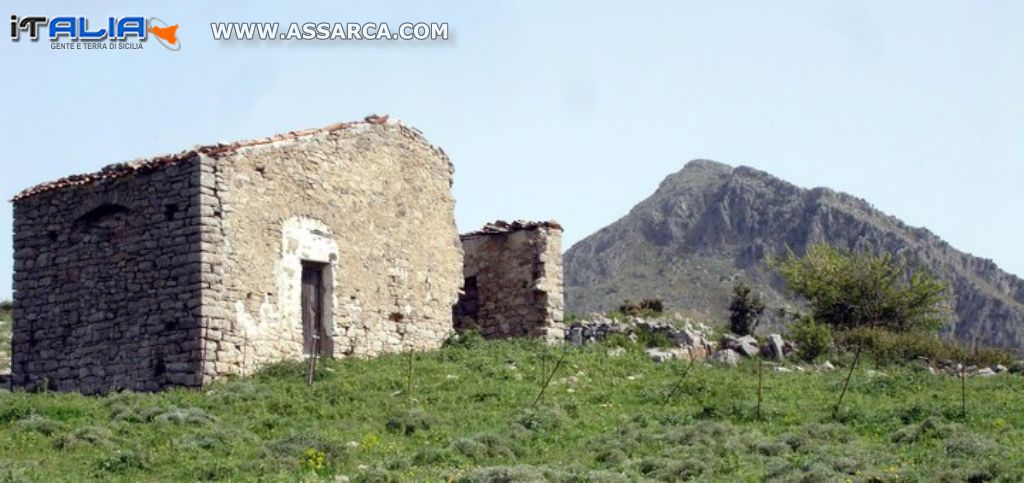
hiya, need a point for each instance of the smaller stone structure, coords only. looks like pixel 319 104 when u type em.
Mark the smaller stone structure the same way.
pixel 513 281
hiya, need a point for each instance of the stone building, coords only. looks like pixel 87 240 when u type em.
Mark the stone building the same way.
pixel 220 259
pixel 513 281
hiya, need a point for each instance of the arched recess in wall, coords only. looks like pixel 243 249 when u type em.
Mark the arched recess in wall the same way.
pixel 105 222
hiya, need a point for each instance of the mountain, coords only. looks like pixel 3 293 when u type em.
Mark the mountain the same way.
pixel 710 224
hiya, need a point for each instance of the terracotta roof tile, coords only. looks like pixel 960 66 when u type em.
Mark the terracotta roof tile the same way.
pixel 214 150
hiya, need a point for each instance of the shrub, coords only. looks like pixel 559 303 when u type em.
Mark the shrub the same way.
pixel 313 459
pixel 647 307
pixel 467 339
pixel 813 339
pixel 502 474
pixel 745 310
pixel 969 445
pixel 610 456
pixel 848 290
pixel 931 428
pixel 889 347
pixel 483 445
pixel 430 456
pixel 409 421
pixel 544 418
pixel 41 425
pixel 5 310
pixel 122 461
pixel 87 435
pixel 647 338
pixel 177 415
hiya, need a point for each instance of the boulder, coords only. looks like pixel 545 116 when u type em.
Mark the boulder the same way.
pixel 747 348
pixel 658 355
pixel 576 335
pixel 690 338
pixel 776 346
pixel 985 372
pixel 745 345
pixel 616 352
pixel 725 357
pixel 664 355
pixel 826 367
pixel 1000 368
pixel 782 369
pixel 729 341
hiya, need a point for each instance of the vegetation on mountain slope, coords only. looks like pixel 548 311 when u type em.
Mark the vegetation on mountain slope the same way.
pixel 710 225
pixel 471 417
pixel 5 336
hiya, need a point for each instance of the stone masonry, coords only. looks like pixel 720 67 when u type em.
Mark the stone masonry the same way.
pixel 513 281
pixel 183 268
pixel 107 280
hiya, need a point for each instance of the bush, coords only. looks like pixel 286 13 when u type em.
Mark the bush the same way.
pixel 122 461
pixel 193 416
pixel 813 339
pixel 502 474
pixel 468 339
pixel 40 424
pixel 542 419
pixel 87 435
pixel 647 307
pixel 889 347
pixel 649 339
pixel 849 290
pixel 409 421
pixel 745 310
pixel 483 445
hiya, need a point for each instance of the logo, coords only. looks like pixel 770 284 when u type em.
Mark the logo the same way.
pixel 167 34
pixel 118 33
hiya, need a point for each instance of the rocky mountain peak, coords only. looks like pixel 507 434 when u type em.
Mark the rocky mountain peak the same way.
pixel 710 224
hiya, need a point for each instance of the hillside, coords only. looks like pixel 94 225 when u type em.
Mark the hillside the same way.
pixel 604 418
pixel 710 224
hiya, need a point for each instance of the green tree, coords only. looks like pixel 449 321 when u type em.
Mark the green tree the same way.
pixel 745 310
pixel 857 289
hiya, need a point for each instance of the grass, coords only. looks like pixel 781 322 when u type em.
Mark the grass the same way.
pixel 470 418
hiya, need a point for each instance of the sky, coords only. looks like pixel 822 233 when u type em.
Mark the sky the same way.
pixel 572 111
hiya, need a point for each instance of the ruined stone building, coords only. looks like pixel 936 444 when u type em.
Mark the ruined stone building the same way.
pixel 513 281
pixel 221 259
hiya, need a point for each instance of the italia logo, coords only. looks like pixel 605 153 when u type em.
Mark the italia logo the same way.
pixel 61 30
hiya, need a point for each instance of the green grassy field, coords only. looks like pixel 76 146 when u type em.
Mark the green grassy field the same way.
pixel 469 417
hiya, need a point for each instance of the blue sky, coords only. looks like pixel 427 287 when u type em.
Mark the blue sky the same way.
pixel 573 110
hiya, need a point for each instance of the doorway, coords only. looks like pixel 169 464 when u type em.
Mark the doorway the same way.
pixel 315 337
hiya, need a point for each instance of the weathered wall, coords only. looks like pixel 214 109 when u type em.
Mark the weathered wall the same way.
pixel 513 281
pixel 371 201
pixel 106 286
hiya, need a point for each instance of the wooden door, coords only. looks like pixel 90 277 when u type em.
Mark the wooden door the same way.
pixel 313 333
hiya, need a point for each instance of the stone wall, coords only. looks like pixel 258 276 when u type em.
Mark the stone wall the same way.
pixel 106 282
pixel 371 202
pixel 183 268
pixel 513 281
